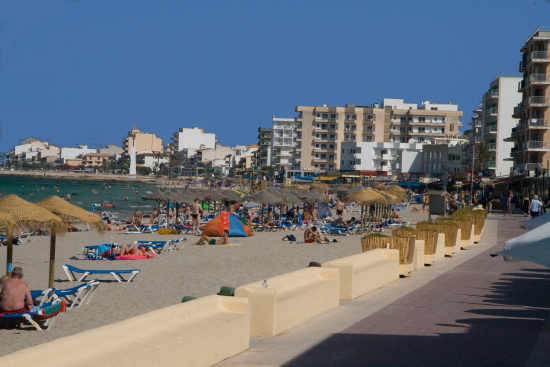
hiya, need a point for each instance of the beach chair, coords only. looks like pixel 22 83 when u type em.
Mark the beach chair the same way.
pixel 117 274
pixel 41 297
pixel 78 295
pixel 44 317
pixel 161 247
pixel 95 248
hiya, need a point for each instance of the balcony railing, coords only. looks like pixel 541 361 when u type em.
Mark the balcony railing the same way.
pixel 539 100
pixel 521 86
pixel 538 78
pixel 536 122
pixel 536 145
pixel 493 93
pixel 491 129
pixel 492 146
pixel 539 55
pixel 521 66
pixel 522 168
pixel 492 111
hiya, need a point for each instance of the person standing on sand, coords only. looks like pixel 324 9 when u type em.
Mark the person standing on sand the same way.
pixel 195 215
pixel 15 294
pixel 508 206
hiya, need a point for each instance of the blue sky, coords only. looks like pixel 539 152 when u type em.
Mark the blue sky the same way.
pixel 85 72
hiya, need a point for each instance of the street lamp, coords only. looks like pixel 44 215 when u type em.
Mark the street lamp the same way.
pixel 472 177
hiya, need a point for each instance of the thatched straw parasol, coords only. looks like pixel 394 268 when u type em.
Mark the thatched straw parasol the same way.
pixel 366 196
pixel 390 199
pixel 341 190
pixel 33 217
pixel 319 186
pixel 396 190
pixel 263 196
pixel 63 208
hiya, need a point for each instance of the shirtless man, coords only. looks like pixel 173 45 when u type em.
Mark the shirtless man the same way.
pixel 211 241
pixel 339 208
pixel 311 235
pixel 15 294
pixel 196 217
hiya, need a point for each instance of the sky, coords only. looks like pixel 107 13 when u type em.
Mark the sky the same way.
pixel 87 71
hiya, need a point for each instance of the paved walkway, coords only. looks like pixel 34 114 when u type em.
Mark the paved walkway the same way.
pixel 468 310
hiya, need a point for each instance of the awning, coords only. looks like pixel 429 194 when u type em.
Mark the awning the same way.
pixel 326 178
pixel 508 180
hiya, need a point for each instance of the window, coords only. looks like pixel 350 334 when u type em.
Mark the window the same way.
pixel 434 108
pixel 333 116
pixel 332 136
pixel 369 138
pixel 384 151
pixel 421 139
pixel 368 117
pixel 452 127
pixel 403 119
pixel 421 119
pixel 443 119
pixel 421 130
pixel 351 117
pixel 331 156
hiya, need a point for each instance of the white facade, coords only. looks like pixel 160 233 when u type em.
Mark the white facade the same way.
pixel 32 149
pixel 400 104
pixel 497 122
pixel 193 139
pixel 74 153
pixel 152 160
pixel 393 158
pixel 283 144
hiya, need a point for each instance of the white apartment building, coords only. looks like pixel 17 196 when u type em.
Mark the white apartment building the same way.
pixel 497 123
pixel 74 153
pixel 381 159
pixel 283 144
pixel 32 150
pixel 193 139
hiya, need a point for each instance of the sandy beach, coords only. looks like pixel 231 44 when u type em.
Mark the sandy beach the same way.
pixel 193 271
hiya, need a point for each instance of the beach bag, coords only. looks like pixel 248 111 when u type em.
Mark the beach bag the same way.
pixel 289 237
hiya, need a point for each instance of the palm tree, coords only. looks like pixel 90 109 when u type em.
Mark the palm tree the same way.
pixel 482 153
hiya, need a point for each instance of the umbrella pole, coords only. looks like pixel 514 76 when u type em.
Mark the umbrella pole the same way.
pixel 9 255
pixel 362 218
pixel 52 258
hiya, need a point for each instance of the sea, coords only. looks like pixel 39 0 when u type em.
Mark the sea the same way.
pixel 127 196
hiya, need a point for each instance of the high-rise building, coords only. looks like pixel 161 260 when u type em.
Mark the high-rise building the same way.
pixel 144 142
pixel 323 129
pixel 263 155
pixel 531 136
pixel 283 144
pixel 497 123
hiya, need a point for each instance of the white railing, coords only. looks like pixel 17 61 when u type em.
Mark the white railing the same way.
pixel 536 144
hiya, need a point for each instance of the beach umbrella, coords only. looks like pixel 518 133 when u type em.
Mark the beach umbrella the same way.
pixel 537 252
pixel 290 198
pixel 262 196
pixel 63 208
pixel 341 190
pixel 390 199
pixel 251 204
pixel 319 186
pixel 366 196
pixel 34 217
pixel 396 190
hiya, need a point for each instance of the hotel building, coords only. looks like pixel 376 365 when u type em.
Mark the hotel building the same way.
pixel 497 123
pixel 323 129
pixel 531 136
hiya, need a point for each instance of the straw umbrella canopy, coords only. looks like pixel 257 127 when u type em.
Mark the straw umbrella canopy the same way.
pixel 319 186
pixel 290 198
pixel 366 196
pixel 263 196
pixel 390 199
pixel 318 197
pixel 396 190
pixel 343 190
pixel 63 208
pixel 34 217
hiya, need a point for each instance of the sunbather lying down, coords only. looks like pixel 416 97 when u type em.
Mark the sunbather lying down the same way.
pixel 211 241
pixel 133 249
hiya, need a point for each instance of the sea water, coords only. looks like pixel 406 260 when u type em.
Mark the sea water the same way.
pixel 127 196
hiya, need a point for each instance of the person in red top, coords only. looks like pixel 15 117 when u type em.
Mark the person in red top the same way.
pixel 15 294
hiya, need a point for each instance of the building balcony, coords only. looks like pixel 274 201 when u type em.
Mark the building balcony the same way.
pixel 325 130
pixel 491 129
pixel 521 86
pixel 518 110
pixel 536 145
pixel 320 119
pixel 491 111
pixel 348 130
pixel 538 101
pixel 522 66
pixel 538 79
pixel 490 164
pixel 536 123
pixel 539 56
pixel 493 93
pixel 492 146
pixel 370 132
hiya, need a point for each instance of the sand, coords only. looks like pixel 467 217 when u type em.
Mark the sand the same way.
pixel 193 271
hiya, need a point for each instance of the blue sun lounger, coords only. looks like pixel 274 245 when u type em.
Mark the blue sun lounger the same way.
pixel 42 318
pixel 75 296
pixel 117 274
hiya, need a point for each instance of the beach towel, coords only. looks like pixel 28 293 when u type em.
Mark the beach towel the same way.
pixel 134 257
